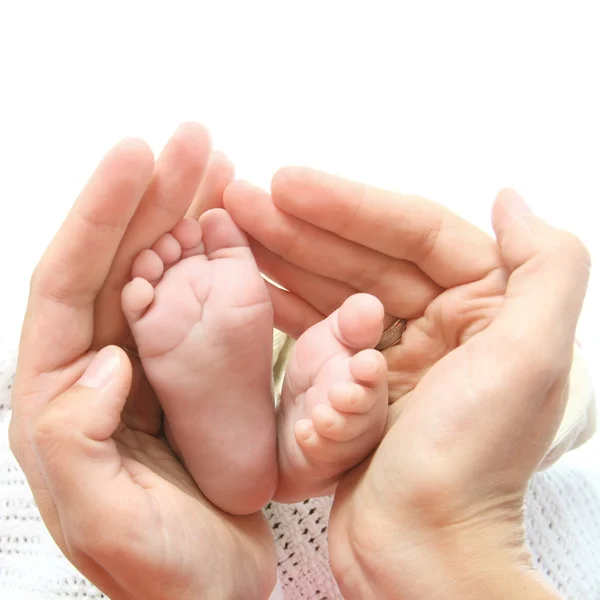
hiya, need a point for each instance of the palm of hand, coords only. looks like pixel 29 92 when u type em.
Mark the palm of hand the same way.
pixel 452 318
pixel 148 516
pixel 420 471
pixel 168 527
pixel 172 531
pixel 167 499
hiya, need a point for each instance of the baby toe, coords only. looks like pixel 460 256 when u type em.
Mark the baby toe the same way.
pixel 135 299
pixel 339 427
pixel 368 367
pixel 318 448
pixel 188 234
pixel 148 265
pixel 350 397
pixel 167 248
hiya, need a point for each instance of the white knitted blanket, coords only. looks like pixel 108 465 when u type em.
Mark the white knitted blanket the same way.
pixel 563 527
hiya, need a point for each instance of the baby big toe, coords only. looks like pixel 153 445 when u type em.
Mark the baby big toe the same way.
pixel 221 233
pixel 360 321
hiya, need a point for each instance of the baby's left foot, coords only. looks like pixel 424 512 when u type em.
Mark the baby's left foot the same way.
pixel 202 320
pixel 334 400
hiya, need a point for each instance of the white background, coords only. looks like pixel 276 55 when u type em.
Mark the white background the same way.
pixel 450 100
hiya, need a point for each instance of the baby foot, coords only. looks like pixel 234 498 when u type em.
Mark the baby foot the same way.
pixel 334 400
pixel 202 320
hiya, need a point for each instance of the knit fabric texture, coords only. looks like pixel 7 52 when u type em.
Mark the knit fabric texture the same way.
pixel 563 529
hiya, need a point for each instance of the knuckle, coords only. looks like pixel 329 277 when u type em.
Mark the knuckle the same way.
pixel 425 241
pixel 571 247
pixel 45 428
pixel 50 428
pixel 43 280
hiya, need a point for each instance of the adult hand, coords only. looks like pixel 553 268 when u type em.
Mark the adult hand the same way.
pixel 116 500
pixel 324 238
pixel 439 508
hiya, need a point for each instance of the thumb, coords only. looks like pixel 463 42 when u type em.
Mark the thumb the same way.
pixel 72 436
pixel 549 274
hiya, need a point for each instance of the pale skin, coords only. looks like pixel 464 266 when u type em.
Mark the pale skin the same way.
pixel 76 309
pixel 485 357
pixel 449 273
pixel 202 320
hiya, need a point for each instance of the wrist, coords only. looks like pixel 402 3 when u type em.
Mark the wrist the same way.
pixel 427 569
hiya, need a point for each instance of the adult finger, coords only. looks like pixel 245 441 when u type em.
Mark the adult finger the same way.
pixel 58 326
pixel 72 435
pixel 292 315
pixel 59 322
pixel 401 286
pixel 177 174
pixel 219 174
pixel 323 293
pixel 447 248
pixel 503 390
pixel 93 492
pixel 549 275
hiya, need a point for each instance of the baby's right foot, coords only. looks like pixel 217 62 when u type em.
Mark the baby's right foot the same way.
pixel 334 400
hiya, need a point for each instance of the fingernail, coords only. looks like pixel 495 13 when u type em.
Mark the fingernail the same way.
pixel 102 370
pixel 517 206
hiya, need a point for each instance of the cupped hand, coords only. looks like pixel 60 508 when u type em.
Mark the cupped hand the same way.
pixel 440 505
pixel 113 495
pixel 323 238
